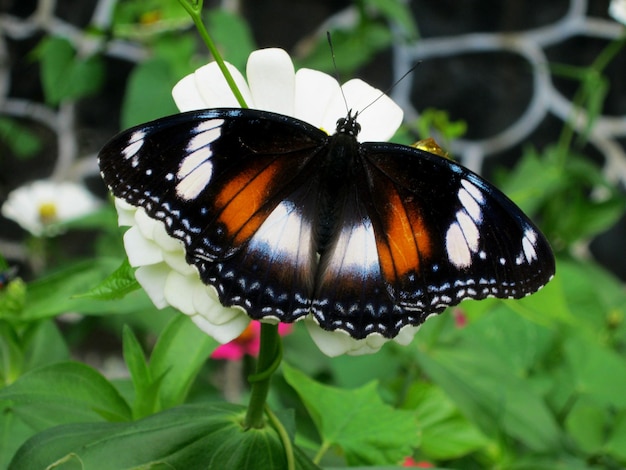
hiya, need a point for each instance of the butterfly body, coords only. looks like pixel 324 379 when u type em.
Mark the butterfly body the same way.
pixel 285 220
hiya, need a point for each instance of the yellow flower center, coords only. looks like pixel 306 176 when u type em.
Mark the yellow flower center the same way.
pixel 47 212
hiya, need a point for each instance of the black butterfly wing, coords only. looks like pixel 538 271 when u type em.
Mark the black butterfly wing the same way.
pixel 234 186
pixel 421 233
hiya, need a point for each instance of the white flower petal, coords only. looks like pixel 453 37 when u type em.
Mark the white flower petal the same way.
pixel 186 94
pixel 179 292
pixel 406 334
pixel 331 343
pixel 73 201
pixel 225 332
pixel 207 88
pixel 313 94
pixel 271 78
pixel 67 201
pixel 379 121
pixel 146 224
pixel 617 10
pixel 207 304
pixel 140 250
pixel 125 212
pixel 167 243
pixel 152 280
pixel 177 261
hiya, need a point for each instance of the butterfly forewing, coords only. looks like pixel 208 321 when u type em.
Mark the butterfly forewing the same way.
pixel 284 220
pixel 232 186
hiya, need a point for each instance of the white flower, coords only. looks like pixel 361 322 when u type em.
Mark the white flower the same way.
pixel 38 205
pixel 617 9
pixel 272 85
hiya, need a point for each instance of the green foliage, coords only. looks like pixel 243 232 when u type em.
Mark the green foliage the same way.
pixel 20 140
pixel 192 437
pixel 64 74
pixel 367 430
pixel 560 188
pixel 532 384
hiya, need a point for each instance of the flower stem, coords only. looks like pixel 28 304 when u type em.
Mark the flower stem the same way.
pixel 270 355
pixel 194 9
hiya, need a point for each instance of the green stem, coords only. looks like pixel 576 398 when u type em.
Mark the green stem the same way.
pixel 597 67
pixel 284 438
pixel 194 9
pixel 270 356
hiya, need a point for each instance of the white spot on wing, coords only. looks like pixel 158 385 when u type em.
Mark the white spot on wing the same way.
pixel 207 132
pixel 192 161
pixel 135 142
pixel 284 235
pixel 470 205
pixel 528 245
pixel 357 245
pixel 191 185
pixel 457 248
pixel 470 231
pixel 473 190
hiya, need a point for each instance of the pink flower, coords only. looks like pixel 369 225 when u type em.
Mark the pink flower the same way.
pixel 411 462
pixel 460 319
pixel 247 342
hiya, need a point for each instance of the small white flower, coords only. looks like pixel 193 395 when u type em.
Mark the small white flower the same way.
pixel 38 205
pixel 272 85
pixel 617 9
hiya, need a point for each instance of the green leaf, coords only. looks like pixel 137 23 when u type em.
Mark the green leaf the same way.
pixel 599 372
pixel 446 434
pixel 22 142
pixel 43 344
pixel 60 291
pixel 146 389
pixel 64 75
pixel 594 296
pixel 366 429
pixel 180 352
pixel 116 286
pixel 398 12
pixel 233 36
pixel 353 48
pixel 11 355
pixel 487 390
pixel 52 395
pixel 13 299
pixel 60 393
pixel 191 437
pixel 533 181
pixel 616 443
pixel 148 93
pixel 586 423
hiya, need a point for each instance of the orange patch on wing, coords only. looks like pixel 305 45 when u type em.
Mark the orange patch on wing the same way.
pixel 241 199
pixel 405 242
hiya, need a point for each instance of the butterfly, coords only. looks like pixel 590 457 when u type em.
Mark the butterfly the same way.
pixel 285 220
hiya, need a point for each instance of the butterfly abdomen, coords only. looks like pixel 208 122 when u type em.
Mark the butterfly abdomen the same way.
pixel 337 171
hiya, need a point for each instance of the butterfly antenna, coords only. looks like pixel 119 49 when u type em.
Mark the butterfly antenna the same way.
pixel 393 85
pixel 332 55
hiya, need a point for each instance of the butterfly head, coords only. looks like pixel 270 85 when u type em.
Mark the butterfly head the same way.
pixel 348 125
